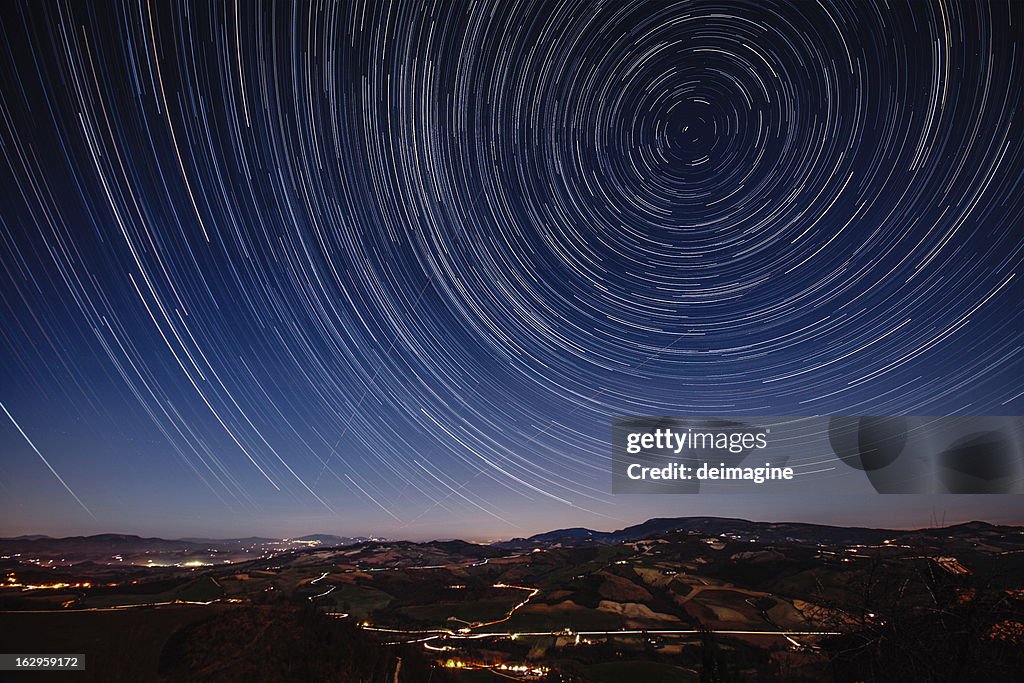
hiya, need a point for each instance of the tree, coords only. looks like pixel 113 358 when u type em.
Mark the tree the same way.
pixel 713 664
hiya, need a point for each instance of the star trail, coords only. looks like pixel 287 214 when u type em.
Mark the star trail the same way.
pixel 395 265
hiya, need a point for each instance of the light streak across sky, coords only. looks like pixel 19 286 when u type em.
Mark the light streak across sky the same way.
pixel 371 264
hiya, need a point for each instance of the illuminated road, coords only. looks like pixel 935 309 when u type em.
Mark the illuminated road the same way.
pixel 468 633
pixel 508 615
pixel 456 635
pixel 329 590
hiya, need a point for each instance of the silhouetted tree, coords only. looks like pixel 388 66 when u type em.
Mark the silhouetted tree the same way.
pixel 713 663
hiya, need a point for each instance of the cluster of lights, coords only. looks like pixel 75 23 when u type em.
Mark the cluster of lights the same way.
pixel 12 582
pixel 512 668
pixel 1008 631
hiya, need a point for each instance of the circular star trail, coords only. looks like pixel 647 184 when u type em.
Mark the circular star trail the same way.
pixel 412 257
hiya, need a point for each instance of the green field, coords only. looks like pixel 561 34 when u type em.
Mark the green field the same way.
pixel 487 609
pixel 544 618
pixel 360 601
pixel 202 589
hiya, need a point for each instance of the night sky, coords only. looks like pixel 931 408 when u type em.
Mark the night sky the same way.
pixel 391 268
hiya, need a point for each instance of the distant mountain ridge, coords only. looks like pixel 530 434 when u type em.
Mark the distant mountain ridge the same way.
pixel 766 532
pixel 737 528
pixel 132 549
pixel 134 538
pixel 331 540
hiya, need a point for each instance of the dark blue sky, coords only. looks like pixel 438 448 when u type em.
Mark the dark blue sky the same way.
pixel 392 267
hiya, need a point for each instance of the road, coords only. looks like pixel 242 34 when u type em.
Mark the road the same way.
pixel 469 633
pixel 459 635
